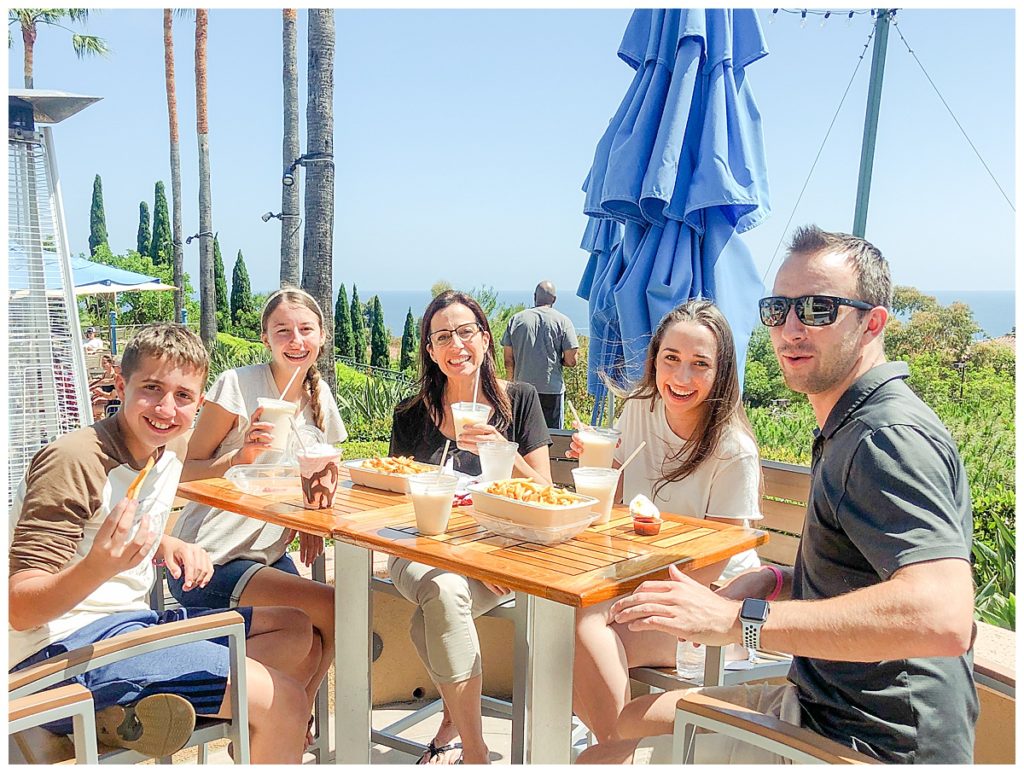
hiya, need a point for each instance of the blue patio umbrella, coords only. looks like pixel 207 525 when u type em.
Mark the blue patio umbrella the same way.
pixel 677 176
pixel 88 277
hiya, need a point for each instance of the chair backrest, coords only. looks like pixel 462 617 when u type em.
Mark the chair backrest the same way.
pixel 995 733
pixel 784 502
pixel 561 465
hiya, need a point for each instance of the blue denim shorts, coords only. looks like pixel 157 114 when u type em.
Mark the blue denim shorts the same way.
pixel 226 586
pixel 197 671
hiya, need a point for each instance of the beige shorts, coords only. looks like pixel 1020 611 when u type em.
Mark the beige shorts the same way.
pixel 777 700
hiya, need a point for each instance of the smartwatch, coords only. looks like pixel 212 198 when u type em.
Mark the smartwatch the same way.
pixel 753 615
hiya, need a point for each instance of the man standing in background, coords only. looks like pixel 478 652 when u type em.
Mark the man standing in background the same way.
pixel 538 343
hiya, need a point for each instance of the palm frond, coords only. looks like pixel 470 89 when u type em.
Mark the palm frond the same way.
pixel 89 45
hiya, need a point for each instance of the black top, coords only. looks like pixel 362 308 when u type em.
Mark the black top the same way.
pixel 414 433
pixel 888 490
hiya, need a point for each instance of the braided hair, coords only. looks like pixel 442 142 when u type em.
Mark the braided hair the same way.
pixel 297 297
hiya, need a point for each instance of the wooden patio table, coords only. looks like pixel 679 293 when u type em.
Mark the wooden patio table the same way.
pixel 550 582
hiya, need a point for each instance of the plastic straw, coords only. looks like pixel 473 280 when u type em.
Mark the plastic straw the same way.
pixel 295 428
pixel 632 456
pixel 290 382
pixel 440 470
pixel 579 424
pixel 476 385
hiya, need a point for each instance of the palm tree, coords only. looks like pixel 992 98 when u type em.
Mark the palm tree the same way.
pixel 207 299
pixel 29 20
pixel 290 193
pixel 178 261
pixel 317 246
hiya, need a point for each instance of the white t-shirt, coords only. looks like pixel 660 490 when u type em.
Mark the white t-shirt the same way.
pixel 227 536
pixel 92 345
pixel 728 483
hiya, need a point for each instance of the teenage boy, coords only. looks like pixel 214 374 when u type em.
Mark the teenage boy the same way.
pixel 82 555
pixel 878 610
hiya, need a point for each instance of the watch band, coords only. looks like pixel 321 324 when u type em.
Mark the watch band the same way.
pixel 752 634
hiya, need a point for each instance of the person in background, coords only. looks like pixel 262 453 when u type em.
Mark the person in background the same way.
pixel 456 349
pixel 537 344
pixel 878 610
pixel 700 460
pixel 101 388
pixel 92 343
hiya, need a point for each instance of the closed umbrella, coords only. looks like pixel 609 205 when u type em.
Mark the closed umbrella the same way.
pixel 677 176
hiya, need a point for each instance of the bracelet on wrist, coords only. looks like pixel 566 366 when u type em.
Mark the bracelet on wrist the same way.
pixel 778 582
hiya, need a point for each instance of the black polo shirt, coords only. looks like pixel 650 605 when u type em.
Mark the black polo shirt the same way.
pixel 888 490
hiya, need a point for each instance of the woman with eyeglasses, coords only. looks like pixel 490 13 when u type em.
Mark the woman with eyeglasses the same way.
pixel 455 349
pixel 700 460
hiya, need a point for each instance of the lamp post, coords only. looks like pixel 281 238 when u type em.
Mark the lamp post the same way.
pixel 961 366
pixel 288 179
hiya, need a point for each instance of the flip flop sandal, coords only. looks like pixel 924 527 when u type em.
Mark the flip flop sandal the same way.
pixel 437 751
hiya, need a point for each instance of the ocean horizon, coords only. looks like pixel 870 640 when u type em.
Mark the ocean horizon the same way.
pixel 993 309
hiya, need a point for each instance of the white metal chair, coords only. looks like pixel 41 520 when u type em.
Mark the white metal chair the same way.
pixel 31 711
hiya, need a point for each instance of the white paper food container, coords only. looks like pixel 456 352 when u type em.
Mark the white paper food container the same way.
pixel 364 476
pixel 531 514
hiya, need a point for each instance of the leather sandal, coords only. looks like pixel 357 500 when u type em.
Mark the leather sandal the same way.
pixel 435 751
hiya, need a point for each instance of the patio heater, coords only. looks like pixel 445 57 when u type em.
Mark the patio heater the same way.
pixel 47 379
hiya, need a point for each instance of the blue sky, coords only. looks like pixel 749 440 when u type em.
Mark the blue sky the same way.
pixel 462 138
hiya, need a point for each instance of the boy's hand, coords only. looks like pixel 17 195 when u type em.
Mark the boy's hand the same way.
pixel 185 558
pixel 112 552
pixel 257 439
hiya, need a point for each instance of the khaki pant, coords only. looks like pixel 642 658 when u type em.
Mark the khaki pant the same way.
pixel 776 700
pixel 442 627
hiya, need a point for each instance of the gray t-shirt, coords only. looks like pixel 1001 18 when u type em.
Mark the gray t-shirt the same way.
pixel 538 337
pixel 888 490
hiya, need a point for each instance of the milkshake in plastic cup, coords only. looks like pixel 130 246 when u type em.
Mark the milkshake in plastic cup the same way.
pixel 598 446
pixel 278 413
pixel 464 414
pixel 600 483
pixel 432 501
pixel 497 457
pixel 318 472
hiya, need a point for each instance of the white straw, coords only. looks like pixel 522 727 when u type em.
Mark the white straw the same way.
pixel 444 453
pixel 579 424
pixel 476 385
pixel 298 437
pixel 632 456
pixel 290 382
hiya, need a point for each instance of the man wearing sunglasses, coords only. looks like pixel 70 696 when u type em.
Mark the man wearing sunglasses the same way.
pixel 878 610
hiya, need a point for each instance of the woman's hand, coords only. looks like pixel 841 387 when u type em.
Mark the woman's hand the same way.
pixel 575 450
pixel 497 590
pixel 473 434
pixel 310 547
pixel 257 439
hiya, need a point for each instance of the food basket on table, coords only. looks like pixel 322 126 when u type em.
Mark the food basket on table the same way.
pixel 522 509
pixel 388 473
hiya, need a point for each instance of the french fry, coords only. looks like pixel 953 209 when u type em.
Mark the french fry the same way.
pixel 396 465
pixel 136 484
pixel 525 490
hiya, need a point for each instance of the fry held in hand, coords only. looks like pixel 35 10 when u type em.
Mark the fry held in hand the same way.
pixel 136 484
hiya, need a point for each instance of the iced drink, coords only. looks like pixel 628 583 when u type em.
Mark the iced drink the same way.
pixel 278 413
pixel 318 472
pixel 598 446
pixel 497 458
pixel 464 414
pixel 600 483
pixel 432 501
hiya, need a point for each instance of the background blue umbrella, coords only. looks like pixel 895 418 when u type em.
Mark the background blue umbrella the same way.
pixel 677 176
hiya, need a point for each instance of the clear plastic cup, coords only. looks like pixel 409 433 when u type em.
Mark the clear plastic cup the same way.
pixel 690 661
pixel 318 472
pixel 432 501
pixel 278 413
pixel 598 446
pixel 497 457
pixel 600 483
pixel 464 414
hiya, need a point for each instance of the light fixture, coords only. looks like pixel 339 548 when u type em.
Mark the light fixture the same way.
pixel 288 179
pixel 266 216
pixel 189 239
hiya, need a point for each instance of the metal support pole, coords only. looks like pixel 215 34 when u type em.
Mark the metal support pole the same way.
pixel 113 332
pixel 867 152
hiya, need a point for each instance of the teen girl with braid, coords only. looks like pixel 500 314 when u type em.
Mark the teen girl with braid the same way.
pixel 251 565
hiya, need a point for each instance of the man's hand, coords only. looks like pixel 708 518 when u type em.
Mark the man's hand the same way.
pixel 185 558
pixel 112 552
pixel 310 547
pixel 682 608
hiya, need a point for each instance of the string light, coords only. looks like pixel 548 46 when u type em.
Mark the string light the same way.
pixel 825 17
pixel 772 17
pixel 803 18
pixel 805 12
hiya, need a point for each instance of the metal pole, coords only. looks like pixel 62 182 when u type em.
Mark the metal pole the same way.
pixel 867 153
pixel 113 332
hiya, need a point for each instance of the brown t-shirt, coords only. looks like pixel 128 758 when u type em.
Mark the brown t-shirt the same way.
pixel 68 491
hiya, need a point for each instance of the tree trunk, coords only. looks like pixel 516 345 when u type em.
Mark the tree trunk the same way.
pixel 207 298
pixel 290 193
pixel 178 261
pixel 318 238
pixel 28 37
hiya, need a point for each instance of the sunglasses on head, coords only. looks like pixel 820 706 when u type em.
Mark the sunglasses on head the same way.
pixel 811 310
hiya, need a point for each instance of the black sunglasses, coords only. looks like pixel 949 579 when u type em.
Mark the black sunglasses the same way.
pixel 811 310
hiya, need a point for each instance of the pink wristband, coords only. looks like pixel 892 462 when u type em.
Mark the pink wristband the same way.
pixel 778 583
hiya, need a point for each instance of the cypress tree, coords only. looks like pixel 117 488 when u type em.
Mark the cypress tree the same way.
pixel 142 238
pixel 342 324
pixel 358 329
pixel 380 357
pixel 241 293
pixel 97 220
pixel 410 335
pixel 220 283
pixel 161 246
